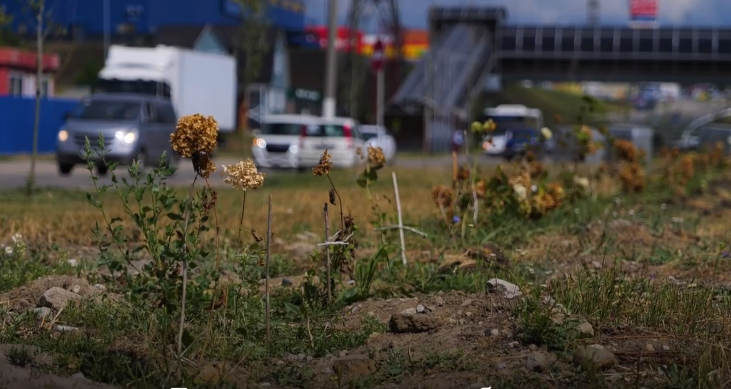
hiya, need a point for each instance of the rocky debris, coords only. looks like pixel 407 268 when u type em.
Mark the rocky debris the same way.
pixel 595 355
pixel 420 309
pixel 42 312
pixel 536 361
pixel 585 330
pixel 507 289
pixel 57 298
pixel 350 367
pixel 412 323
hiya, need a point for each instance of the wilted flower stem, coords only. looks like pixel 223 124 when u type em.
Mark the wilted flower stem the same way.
pixel 340 202
pixel 241 221
pixel 185 268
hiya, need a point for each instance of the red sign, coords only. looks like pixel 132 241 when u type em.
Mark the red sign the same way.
pixel 346 39
pixel 378 56
pixel 643 12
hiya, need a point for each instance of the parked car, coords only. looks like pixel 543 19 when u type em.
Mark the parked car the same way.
pixel 277 140
pixel 134 127
pixel 341 137
pixel 378 136
pixel 520 140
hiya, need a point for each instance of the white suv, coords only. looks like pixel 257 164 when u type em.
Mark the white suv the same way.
pixel 341 137
pixel 277 142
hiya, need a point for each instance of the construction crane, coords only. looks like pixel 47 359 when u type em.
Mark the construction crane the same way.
pixel 384 16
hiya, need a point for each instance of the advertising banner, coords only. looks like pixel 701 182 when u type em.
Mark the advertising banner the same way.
pixel 643 13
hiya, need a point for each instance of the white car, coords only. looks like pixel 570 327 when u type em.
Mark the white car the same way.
pixel 277 142
pixel 378 136
pixel 341 137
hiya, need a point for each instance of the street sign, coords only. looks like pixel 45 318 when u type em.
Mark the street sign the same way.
pixel 643 13
pixel 378 56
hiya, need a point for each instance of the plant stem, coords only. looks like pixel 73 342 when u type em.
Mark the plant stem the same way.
pixel 215 217
pixel 475 203
pixel 185 270
pixel 327 254
pixel 241 221
pixel 268 255
pixel 340 204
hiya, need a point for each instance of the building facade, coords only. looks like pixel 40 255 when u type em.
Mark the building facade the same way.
pixel 18 73
pixel 88 19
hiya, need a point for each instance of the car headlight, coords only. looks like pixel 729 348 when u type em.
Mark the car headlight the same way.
pixel 260 143
pixel 126 137
pixel 63 135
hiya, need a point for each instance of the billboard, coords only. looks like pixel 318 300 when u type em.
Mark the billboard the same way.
pixel 643 13
pixel 318 35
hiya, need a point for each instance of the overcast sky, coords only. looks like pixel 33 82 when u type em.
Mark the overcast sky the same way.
pixel 614 12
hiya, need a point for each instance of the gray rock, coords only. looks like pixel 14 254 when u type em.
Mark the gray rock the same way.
pixel 507 289
pixel 403 323
pixel 66 328
pixel 76 289
pixel 585 330
pixel 409 311
pixel 286 282
pixel 327 370
pixel 595 355
pixel 514 344
pixel 57 298
pixel 536 361
pixel 439 301
pixel 42 312
pixel 420 308
pixel 100 287
pixel 494 332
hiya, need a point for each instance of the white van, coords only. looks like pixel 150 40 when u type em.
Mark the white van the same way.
pixel 277 141
pixel 341 137
pixel 507 116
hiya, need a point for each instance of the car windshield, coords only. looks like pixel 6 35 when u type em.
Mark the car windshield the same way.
pixel 108 110
pixel 369 135
pixel 281 129
pixel 326 130
pixel 505 123
pixel 523 135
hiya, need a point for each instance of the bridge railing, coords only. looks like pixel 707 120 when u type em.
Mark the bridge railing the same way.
pixel 601 42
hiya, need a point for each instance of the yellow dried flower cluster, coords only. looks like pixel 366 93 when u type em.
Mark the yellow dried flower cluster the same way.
pixel 243 175
pixel 194 133
pixel 203 165
pixel 548 199
pixel 483 128
pixel 376 156
pixel 323 166
pixel 442 196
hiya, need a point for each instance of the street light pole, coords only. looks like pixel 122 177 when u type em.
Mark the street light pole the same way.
pixel 331 67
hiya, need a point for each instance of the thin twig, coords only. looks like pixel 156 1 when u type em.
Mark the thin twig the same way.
pixel 407 228
pixel 475 203
pixel 215 217
pixel 400 218
pixel 327 255
pixel 333 244
pixel 340 203
pixel 241 221
pixel 269 249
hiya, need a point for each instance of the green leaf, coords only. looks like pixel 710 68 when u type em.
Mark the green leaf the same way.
pixel 175 217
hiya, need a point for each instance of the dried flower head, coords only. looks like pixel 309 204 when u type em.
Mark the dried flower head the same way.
pixel 194 133
pixel 203 164
pixel 243 175
pixel 376 156
pixel 323 166
pixel 626 150
pixel 463 173
pixel 442 196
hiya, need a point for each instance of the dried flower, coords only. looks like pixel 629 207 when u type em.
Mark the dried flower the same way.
pixel 202 164
pixel 323 166
pixel 194 133
pixel 243 175
pixel 442 196
pixel 376 156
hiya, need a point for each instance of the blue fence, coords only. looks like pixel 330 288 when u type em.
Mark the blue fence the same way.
pixel 17 115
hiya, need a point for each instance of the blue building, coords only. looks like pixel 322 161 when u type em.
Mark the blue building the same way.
pixel 86 18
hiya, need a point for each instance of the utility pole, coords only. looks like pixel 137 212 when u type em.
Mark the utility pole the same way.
pixel 331 67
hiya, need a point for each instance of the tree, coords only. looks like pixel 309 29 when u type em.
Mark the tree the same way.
pixel 251 45
pixel 43 27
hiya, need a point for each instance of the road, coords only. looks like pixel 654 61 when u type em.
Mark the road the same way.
pixel 13 173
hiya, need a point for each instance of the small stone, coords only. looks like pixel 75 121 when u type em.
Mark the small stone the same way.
pixel 494 332
pixel 468 314
pixel 596 265
pixel 439 301
pixel 42 312
pixel 536 362
pixel 514 344
pixel 585 330
pixel 401 323
pixel 665 347
pixel 466 303
pixel 409 311
pixel 420 308
pixel 649 347
pixel 286 282
pixel 596 355
pixel 100 287
pixel 533 347
pixel 301 357
pixel 355 309
pixel 508 290
pixel 76 289
pixel 66 328
pixel 328 370
pixel 73 262
pixel 57 298
pixel 501 365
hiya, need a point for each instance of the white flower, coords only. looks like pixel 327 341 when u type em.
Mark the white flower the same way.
pixel 520 191
pixel 8 250
pixel 17 238
pixel 546 133
pixel 534 188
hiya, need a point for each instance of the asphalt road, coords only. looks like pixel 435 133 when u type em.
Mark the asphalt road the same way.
pixel 13 173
